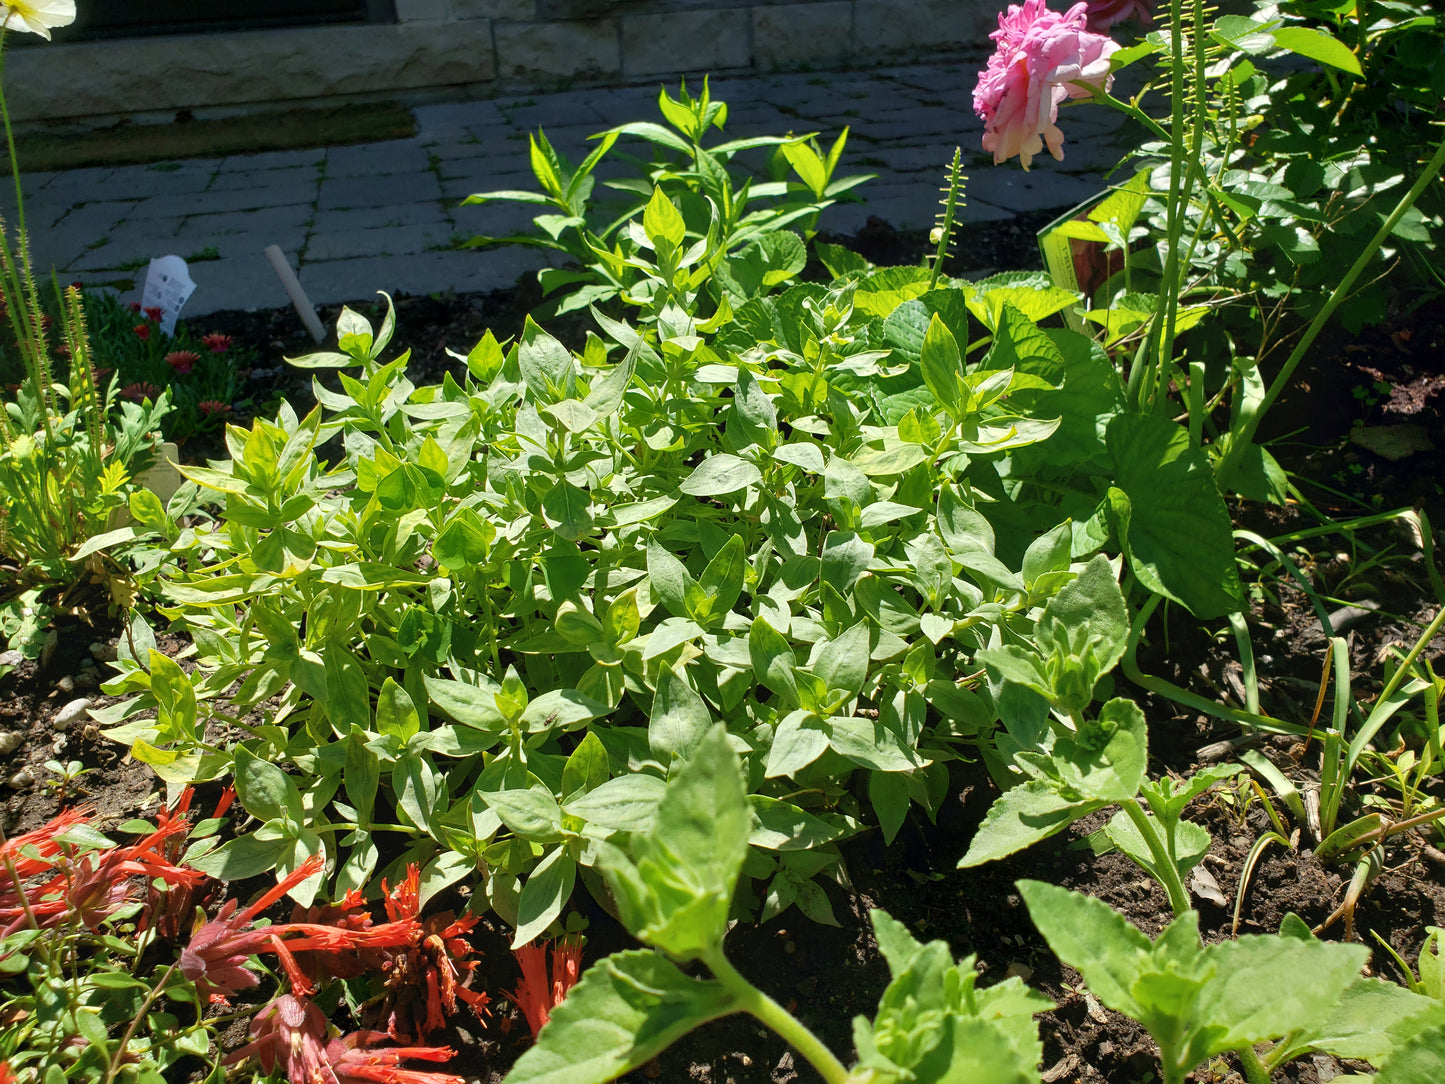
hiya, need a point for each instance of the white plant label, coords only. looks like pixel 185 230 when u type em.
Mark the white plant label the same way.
pixel 168 286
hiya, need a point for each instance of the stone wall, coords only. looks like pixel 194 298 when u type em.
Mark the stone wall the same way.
pixel 473 48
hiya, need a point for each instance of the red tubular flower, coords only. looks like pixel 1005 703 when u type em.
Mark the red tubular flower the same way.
pixel 7 1075
pixel 134 306
pixel 289 1032
pixel 223 803
pixel 216 342
pixel 99 883
pixel 354 1063
pixel 534 995
pixel 154 313
pixel 31 853
pixel 215 957
pixel 142 331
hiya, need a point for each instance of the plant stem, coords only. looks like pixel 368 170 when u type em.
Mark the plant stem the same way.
pixel 754 1001
pixel 1167 873
pixel 1254 1070
pixel 150 998
pixel 1242 440
pixel 10 143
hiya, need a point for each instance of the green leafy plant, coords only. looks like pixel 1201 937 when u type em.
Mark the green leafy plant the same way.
pixel 673 887
pixel 689 228
pixel 1079 766
pixel 1199 1001
pixel 66 463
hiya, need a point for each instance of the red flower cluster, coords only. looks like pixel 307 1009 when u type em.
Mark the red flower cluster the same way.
pixel 290 1033
pixel 427 964
pixel 534 995
pixel 93 886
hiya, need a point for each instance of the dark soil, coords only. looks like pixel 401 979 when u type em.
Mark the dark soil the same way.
pixel 830 974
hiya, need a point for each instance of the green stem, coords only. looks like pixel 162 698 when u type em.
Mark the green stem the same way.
pixel 754 1001
pixel 1161 337
pixel 1242 439
pixel 10 142
pixel 1167 872
pixel 1129 666
pixel 1254 1070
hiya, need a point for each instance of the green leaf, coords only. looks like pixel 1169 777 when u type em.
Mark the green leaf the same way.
pixel 545 364
pixel 1421 1061
pixel 1022 816
pixel 567 509
pixel 626 1010
pixel 843 664
pixel 395 713
pixel 361 775
pixel 531 813
pixel 661 221
pixel 783 826
pixel 348 696
pixel 773 660
pixel 941 362
pixel 798 740
pixel 420 790
pixel 1245 1001
pixel 547 890
pixel 1170 517
pixel 722 579
pixel 1317 45
pixel 471 703
pixel 720 474
pixel 1358 1025
pixel 677 895
pixel 586 768
pixel 1091 937
pixel 265 790
pixel 241 858
pixel 625 804
pixel 679 718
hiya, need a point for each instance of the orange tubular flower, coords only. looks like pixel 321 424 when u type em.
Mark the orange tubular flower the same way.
pixel 534 995
pixel 426 978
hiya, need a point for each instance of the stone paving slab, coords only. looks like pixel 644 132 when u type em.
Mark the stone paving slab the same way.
pixel 387 215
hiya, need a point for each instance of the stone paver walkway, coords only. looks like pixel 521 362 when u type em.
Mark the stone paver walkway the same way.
pixel 387 216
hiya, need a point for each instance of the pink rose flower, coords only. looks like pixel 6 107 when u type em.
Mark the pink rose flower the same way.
pixel 1040 56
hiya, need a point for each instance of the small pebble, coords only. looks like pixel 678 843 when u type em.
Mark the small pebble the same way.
pixel 86 680
pixel 103 652
pixel 73 712
pixel 65 685
pixel 22 779
pixel 10 741
pixel 11 658
pixel 87 664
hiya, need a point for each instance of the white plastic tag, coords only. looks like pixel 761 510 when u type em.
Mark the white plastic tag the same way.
pixel 168 286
